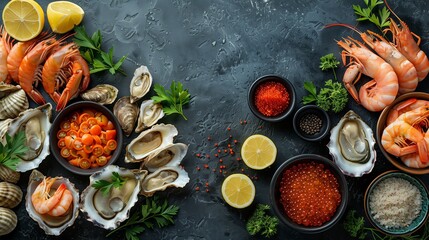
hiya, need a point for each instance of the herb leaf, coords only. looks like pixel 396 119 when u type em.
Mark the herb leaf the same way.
pixel 328 62
pixel 14 148
pixel 262 223
pixel 367 14
pixel 105 186
pixel 172 100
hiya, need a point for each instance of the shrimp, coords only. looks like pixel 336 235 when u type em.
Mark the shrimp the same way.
pixel 72 87
pixel 63 205
pixel 413 160
pixel 379 92
pixel 41 200
pixel 5 44
pixel 404 107
pixel 85 71
pixel 403 38
pixel 418 118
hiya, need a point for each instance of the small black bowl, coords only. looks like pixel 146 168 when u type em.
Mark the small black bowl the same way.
pixel 275 193
pixel 272 78
pixel 79 106
pixel 312 109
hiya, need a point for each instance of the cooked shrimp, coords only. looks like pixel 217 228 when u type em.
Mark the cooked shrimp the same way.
pixel 85 71
pixel 379 92
pixel 403 107
pixel 63 205
pixel 413 159
pixel 42 201
pixel 5 44
pixel 418 118
pixel 72 87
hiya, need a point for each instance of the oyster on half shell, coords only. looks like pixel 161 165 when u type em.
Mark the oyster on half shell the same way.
pixel 170 155
pixel 140 83
pixel 352 145
pixel 102 93
pixel 150 113
pixel 163 178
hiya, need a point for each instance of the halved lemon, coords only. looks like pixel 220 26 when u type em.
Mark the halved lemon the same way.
pixel 238 190
pixel 64 15
pixel 258 152
pixel 23 19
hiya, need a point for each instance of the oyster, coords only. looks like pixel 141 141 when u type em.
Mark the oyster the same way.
pixel 150 113
pixel 170 155
pixel 10 195
pixel 52 225
pixel 108 211
pixel 127 114
pixel 8 220
pixel 12 101
pixel 36 124
pixel 352 145
pixel 140 83
pixel 102 93
pixel 149 141
pixel 163 178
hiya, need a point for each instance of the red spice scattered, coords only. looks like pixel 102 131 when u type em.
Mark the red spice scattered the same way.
pixel 216 144
pixel 235 141
pixel 221 160
pixel 198 155
pixel 207 190
pixel 271 98
pixel 309 194
pixel 208 156
pixel 230 136
pixel 206 166
pixel 198 168
pixel 197 188
pixel 207 184
pixel 229 145
pixel 238 159
pixel 216 155
pixel 219 151
pixel 225 151
pixel 220 170
pixel 229 129
pixel 209 138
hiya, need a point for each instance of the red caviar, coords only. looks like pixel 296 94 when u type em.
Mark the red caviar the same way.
pixel 271 98
pixel 309 194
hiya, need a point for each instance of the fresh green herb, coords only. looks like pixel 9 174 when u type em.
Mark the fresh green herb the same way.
pixel 153 211
pixel 329 62
pixel 262 223
pixel 14 148
pixel 172 100
pixel 333 96
pixel 381 21
pixel 105 186
pixel 90 49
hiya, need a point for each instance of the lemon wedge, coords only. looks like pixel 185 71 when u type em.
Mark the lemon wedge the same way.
pixel 23 19
pixel 238 190
pixel 258 152
pixel 64 15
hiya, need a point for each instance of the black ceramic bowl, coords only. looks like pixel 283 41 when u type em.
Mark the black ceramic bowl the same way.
pixel 79 106
pixel 272 78
pixel 311 109
pixel 275 192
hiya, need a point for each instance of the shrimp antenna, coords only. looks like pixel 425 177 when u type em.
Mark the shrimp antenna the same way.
pixel 394 14
pixel 343 25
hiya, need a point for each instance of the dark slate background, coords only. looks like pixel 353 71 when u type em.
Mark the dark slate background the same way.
pixel 217 49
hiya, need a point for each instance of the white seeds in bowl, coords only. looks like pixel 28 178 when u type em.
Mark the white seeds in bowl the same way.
pixel 395 202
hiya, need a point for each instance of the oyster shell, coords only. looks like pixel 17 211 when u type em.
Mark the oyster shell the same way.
pixel 36 124
pixel 12 101
pixel 52 225
pixel 10 195
pixel 352 145
pixel 109 211
pixel 163 178
pixel 149 141
pixel 150 113
pixel 170 155
pixel 140 83
pixel 127 114
pixel 102 93
pixel 8 221
pixel 9 175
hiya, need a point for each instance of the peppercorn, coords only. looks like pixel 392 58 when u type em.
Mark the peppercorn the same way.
pixel 310 124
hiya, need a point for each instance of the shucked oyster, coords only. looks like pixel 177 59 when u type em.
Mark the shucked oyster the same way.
pixel 163 178
pixel 102 93
pixel 170 155
pixel 126 113
pixel 352 145
pixel 12 101
pixel 140 83
pixel 150 113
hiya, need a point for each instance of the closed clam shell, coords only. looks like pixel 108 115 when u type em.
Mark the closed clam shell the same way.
pixel 8 221
pixel 126 113
pixel 150 113
pixel 10 195
pixel 102 93
pixel 4 126
pixel 13 101
pixel 9 175
pixel 140 83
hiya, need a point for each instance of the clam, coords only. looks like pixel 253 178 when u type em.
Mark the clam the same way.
pixel 126 113
pixel 50 224
pixel 140 83
pixel 4 126
pixel 12 101
pixel 170 155
pixel 102 93
pixel 352 145
pixel 8 175
pixel 163 178
pixel 109 210
pixel 10 195
pixel 150 141
pixel 36 124
pixel 8 221
pixel 150 113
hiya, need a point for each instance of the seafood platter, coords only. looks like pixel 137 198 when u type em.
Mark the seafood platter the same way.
pixel 215 120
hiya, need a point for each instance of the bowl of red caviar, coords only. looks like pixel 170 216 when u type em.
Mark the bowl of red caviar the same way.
pixel 86 137
pixel 272 98
pixel 309 193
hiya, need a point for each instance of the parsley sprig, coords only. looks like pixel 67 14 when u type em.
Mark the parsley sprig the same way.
pixel 262 223
pixel 90 49
pixel 14 148
pixel 381 21
pixel 153 212
pixel 172 100
pixel 329 62
pixel 105 186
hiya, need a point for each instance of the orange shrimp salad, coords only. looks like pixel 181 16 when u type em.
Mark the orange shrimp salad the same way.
pixel 87 139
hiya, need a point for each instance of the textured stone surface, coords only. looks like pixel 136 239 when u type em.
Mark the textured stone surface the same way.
pixel 217 49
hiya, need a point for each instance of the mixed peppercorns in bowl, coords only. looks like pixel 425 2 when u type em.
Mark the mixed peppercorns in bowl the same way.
pixel 311 123
pixel 272 98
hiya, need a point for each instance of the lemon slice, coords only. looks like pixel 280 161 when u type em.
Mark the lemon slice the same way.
pixel 258 152
pixel 23 19
pixel 238 190
pixel 64 15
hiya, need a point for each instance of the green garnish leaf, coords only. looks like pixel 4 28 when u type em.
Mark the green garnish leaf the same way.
pixel 328 62
pixel 262 223
pixel 354 225
pixel 105 186
pixel 14 148
pixel 172 100
pixel 367 14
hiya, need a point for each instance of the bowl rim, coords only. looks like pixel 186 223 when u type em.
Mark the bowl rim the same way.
pixel 376 180
pixel 343 185
pixel 326 127
pixel 286 83
pixel 53 136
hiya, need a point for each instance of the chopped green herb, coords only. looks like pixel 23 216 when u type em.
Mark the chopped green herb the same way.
pixel 262 223
pixel 14 148
pixel 105 186
pixel 364 14
pixel 172 100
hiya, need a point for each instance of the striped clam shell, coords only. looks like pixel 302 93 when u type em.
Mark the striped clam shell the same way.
pixel 8 221
pixel 4 126
pixel 12 102
pixel 9 175
pixel 10 195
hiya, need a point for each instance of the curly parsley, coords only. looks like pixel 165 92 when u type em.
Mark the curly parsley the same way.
pixel 262 223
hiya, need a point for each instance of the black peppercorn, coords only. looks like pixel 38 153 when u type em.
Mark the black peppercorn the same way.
pixel 310 124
